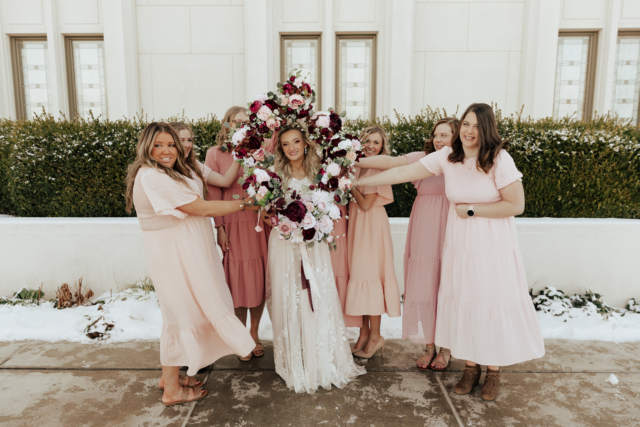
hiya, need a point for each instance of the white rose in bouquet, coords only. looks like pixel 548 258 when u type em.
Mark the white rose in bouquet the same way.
pixel 345 144
pixel 334 212
pixel 238 136
pixel 309 221
pixel 264 113
pixel 261 176
pixel 334 169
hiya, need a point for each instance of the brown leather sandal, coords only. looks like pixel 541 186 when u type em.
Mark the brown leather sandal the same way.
pixel 429 353
pixel 197 395
pixel 257 350
pixel 446 356
pixel 246 359
pixel 187 382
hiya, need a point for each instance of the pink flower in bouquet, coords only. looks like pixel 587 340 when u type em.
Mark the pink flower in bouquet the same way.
pixel 264 113
pixel 296 101
pixel 334 169
pixel 322 206
pixel 262 191
pixel 286 227
pixel 259 155
pixel 304 198
pixel 325 225
pixel 309 206
pixel 356 144
pixel 330 239
pixel 309 221
pixel 351 155
pixel 284 100
pixel 262 98
pixel 344 183
pixel 239 135
pixel 273 123
pixel 274 221
pixel 261 176
pixel 323 121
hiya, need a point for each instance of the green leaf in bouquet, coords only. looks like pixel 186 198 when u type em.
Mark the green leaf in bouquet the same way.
pixel 270 94
pixel 279 84
pixel 236 196
pixel 310 245
pixel 224 148
pixel 343 114
pixel 313 99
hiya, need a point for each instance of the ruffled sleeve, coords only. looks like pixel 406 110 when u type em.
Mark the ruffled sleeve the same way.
pixel 384 192
pixel 505 170
pixel 433 162
pixel 415 156
pixel 213 192
pixel 165 194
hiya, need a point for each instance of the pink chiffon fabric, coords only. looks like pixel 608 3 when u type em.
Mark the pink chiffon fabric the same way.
pixel 340 265
pixel 373 287
pixel 246 261
pixel 485 314
pixel 422 254
pixel 198 322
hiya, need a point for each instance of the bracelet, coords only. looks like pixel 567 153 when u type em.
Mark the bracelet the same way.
pixel 242 206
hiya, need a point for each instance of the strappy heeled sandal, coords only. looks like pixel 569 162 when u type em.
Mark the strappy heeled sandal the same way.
pixel 258 350
pixel 197 395
pixel 446 356
pixel 186 382
pixel 430 352
pixel 246 359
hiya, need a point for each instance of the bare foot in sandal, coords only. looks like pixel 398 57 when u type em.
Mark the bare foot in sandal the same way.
pixel 429 354
pixel 258 351
pixel 184 382
pixel 441 361
pixel 184 395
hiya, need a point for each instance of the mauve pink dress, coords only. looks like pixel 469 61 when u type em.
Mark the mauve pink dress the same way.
pixel 198 322
pixel 340 265
pixel 422 253
pixel 485 312
pixel 245 262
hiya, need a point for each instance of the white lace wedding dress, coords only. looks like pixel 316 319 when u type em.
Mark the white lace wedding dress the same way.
pixel 310 346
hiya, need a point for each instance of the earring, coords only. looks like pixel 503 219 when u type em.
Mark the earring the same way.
pixel 305 150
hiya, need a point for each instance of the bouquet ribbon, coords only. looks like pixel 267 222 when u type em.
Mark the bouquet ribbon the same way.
pixel 310 274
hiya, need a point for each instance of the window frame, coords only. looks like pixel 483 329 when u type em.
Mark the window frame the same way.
pixel 16 67
pixel 359 35
pixel 70 68
pixel 626 32
pixel 284 36
pixel 590 79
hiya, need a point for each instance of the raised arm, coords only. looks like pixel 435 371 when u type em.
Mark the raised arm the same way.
pixel 214 208
pixel 382 162
pixel 512 204
pixel 224 181
pixel 413 172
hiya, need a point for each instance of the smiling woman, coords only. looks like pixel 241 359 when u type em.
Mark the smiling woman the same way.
pixel 182 261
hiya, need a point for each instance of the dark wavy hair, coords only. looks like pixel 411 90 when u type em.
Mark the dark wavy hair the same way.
pixel 489 140
pixel 453 124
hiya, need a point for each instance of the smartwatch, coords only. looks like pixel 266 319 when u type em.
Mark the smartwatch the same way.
pixel 470 211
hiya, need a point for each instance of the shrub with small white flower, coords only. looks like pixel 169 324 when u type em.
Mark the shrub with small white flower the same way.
pixel 633 306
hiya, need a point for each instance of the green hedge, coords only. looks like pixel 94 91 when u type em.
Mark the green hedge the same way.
pixel 574 169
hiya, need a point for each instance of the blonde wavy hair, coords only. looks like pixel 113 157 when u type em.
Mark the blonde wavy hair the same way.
pixel 311 163
pixel 228 118
pixel 364 136
pixel 180 171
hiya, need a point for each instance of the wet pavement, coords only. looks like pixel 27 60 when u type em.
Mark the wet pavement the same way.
pixel 103 384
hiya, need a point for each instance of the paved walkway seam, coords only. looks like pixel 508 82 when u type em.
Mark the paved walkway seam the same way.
pixel 446 396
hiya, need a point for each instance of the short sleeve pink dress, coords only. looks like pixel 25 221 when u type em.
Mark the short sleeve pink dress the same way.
pixel 198 322
pixel 422 253
pixel 485 312
pixel 245 262
pixel 340 265
pixel 373 287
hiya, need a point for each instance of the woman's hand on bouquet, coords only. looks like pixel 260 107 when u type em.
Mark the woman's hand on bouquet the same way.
pixel 250 204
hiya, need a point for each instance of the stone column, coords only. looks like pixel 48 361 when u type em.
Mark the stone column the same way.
pixel 400 57
pixel 57 65
pixel 603 93
pixel 256 53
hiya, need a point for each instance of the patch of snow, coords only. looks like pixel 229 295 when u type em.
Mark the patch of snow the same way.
pixel 612 379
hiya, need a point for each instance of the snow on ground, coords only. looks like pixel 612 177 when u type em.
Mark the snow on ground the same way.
pixel 135 315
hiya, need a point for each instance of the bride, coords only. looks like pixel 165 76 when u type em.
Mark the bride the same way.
pixel 309 337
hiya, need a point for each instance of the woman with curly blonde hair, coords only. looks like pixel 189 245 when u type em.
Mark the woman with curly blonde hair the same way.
pixel 310 342
pixel 198 326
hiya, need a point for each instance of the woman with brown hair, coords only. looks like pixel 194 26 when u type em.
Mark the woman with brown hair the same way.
pixel 310 344
pixel 244 250
pixel 198 326
pixel 373 287
pixel 423 250
pixel 485 315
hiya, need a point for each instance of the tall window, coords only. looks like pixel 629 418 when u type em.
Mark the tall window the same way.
pixel 626 87
pixel 302 51
pixel 31 81
pixel 356 75
pixel 575 72
pixel 86 76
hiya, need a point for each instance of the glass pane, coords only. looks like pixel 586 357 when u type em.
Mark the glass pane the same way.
pixel 34 64
pixel 304 55
pixel 355 77
pixel 89 73
pixel 626 87
pixel 571 76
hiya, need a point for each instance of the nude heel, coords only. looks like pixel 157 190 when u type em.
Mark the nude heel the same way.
pixel 379 346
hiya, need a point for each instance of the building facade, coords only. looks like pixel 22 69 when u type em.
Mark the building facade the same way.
pixel 115 58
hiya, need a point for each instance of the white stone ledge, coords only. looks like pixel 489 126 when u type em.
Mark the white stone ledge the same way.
pixel 569 254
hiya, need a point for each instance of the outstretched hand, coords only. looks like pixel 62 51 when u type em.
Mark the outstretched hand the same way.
pixel 250 204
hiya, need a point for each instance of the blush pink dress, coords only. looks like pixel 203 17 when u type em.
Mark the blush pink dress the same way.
pixel 373 287
pixel 245 262
pixel 422 253
pixel 340 265
pixel 198 322
pixel 485 312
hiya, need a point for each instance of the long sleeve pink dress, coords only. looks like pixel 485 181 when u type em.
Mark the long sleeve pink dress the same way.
pixel 198 322
pixel 245 262
pixel 373 287
pixel 485 312
pixel 423 250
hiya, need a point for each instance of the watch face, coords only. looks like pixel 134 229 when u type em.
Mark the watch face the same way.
pixel 470 212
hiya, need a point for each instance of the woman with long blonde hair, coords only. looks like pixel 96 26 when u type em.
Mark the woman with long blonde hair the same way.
pixel 373 288
pixel 198 326
pixel 310 342
pixel 244 250
pixel 423 250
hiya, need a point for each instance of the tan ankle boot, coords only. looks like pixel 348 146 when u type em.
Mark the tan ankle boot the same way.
pixel 470 378
pixel 491 385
